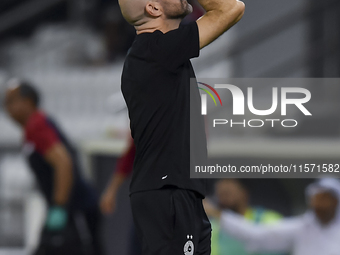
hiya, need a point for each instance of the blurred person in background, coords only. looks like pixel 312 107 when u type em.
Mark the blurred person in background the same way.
pixel 232 195
pixel 54 163
pixel 313 233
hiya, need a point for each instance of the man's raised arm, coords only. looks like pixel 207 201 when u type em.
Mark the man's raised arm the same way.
pixel 219 17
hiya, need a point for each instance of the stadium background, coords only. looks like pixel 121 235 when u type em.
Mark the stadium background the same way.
pixel 73 51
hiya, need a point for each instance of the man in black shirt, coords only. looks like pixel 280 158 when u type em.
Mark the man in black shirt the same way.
pixel 166 203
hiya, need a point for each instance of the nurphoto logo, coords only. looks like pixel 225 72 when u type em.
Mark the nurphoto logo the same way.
pixel 240 99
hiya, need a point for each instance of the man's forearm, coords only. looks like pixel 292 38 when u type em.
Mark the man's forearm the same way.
pixel 219 17
pixel 210 5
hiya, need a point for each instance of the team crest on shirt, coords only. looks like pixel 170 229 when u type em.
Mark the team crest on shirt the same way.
pixel 189 246
pixel 28 149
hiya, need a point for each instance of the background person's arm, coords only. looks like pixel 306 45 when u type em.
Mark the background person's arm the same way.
pixel 123 170
pixel 219 17
pixel 108 199
pixel 48 144
pixel 277 237
pixel 60 160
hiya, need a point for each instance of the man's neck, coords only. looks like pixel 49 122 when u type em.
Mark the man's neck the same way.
pixel 164 27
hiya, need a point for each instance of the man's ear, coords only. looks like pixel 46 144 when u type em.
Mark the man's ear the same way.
pixel 153 8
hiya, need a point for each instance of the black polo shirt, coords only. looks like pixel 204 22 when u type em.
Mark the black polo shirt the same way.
pixel 156 88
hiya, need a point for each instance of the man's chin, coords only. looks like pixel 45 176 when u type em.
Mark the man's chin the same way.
pixel 188 11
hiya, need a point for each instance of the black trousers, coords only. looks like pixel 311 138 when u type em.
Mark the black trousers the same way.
pixel 171 221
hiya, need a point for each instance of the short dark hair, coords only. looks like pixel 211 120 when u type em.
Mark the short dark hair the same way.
pixel 26 90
